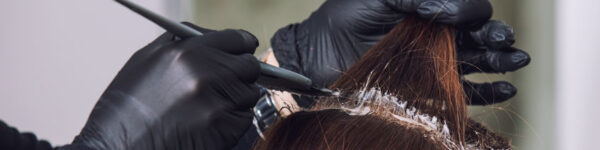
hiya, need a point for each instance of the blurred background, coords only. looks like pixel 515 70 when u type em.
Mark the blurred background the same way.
pixel 56 58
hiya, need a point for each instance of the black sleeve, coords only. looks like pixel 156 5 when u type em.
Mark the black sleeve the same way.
pixel 247 141
pixel 11 139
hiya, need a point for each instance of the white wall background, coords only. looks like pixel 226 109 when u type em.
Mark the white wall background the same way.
pixel 58 56
pixel 578 74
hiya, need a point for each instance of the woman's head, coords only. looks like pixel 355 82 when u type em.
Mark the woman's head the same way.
pixel 372 120
pixel 335 129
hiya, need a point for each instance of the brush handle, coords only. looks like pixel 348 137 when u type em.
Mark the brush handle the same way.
pixel 176 28
pixel 271 76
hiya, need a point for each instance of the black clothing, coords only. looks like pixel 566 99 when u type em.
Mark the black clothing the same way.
pixel 12 139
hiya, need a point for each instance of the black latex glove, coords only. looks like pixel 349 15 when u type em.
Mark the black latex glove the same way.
pixel 12 139
pixel 340 31
pixel 195 93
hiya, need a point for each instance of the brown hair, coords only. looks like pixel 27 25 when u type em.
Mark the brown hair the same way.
pixel 334 129
pixel 416 63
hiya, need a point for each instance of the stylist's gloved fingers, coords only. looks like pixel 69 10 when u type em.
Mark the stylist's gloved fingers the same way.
pixel 229 40
pixel 492 61
pixel 247 68
pixel 197 28
pixel 244 67
pixel 248 95
pixel 242 72
pixel 466 14
pixel 495 35
pixel 488 93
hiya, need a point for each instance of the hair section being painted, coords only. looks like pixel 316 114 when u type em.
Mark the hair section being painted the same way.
pixel 404 93
pixel 415 61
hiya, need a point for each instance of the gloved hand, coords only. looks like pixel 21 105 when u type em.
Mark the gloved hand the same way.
pixel 194 93
pixel 340 31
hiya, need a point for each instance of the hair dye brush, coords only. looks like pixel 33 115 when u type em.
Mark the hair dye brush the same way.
pixel 271 77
